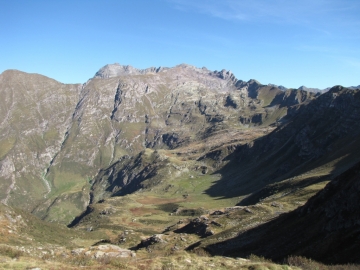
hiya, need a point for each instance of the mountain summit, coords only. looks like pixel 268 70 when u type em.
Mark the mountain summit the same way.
pixel 115 70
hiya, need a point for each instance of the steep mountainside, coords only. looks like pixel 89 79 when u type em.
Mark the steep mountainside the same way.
pixel 326 228
pixel 35 114
pixel 67 133
pixel 314 143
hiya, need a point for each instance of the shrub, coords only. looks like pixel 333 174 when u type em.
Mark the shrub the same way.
pixel 10 252
pixel 201 252
pixel 255 258
pixel 80 260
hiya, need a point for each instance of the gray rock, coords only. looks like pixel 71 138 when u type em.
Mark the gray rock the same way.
pixel 99 254
pixel 77 251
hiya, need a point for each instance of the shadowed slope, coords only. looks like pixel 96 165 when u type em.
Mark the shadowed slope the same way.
pixel 314 139
pixel 326 228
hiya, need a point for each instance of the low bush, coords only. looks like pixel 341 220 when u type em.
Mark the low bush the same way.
pixel 255 258
pixel 10 252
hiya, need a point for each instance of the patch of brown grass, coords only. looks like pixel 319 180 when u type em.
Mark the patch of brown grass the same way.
pixel 140 211
pixel 10 252
pixel 155 200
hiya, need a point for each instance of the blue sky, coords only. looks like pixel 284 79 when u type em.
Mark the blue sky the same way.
pixel 287 42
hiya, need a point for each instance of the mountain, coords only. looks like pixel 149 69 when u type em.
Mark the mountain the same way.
pixel 278 86
pixel 55 137
pixel 36 112
pixel 315 142
pixel 354 87
pixel 163 160
pixel 317 90
pixel 304 88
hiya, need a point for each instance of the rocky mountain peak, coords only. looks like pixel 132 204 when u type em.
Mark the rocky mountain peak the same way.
pixel 281 87
pixel 225 75
pixel 336 88
pixel 114 70
pixel 253 81
pixel 184 65
pixel 354 87
pixel 303 87
pixel 314 90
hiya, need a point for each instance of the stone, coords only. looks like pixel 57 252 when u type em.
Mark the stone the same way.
pixel 77 251
pixel 99 254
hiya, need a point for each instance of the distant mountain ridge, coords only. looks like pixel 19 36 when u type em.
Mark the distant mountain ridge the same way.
pixel 314 90
pixel 354 87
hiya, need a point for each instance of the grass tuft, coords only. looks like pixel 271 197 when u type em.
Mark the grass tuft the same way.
pixel 255 258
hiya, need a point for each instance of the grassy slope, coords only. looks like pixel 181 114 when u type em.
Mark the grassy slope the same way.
pixel 34 112
pixel 324 229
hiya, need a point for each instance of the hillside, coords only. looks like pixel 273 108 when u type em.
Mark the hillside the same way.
pixel 332 237
pixel 55 137
pixel 163 160
pixel 36 112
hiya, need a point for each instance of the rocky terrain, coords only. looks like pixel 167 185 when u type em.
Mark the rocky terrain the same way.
pixel 55 138
pixel 163 160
